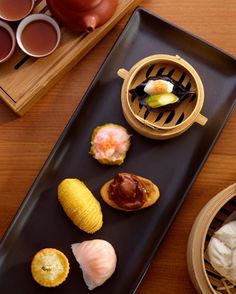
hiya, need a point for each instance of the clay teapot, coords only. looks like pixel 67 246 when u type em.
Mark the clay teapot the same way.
pixel 82 15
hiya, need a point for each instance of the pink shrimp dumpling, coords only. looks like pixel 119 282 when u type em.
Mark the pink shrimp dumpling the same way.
pixel 110 144
pixel 97 259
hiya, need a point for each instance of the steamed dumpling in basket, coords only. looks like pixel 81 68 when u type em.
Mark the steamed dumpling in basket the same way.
pixel 221 250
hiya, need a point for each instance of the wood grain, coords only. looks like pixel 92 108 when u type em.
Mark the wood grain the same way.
pixel 26 142
pixel 24 80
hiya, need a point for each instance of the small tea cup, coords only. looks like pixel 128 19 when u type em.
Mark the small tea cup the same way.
pixel 38 35
pixel 12 10
pixel 8 41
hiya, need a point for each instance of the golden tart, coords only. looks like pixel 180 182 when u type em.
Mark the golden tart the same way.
pixel 50 267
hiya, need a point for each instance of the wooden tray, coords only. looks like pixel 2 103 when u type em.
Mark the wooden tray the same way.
pixel 23 80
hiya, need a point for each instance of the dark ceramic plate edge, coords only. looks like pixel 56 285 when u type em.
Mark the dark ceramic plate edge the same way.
pixel 74 116
pixel 146 266
pixel 203 41
pixel 231 109
pixel 145 269
pixel 77 110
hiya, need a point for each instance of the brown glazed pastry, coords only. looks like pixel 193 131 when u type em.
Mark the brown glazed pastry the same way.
pixel 129 192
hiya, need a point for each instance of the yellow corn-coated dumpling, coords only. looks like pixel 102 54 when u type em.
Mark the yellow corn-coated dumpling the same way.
pixel 80 205
pixel 49 267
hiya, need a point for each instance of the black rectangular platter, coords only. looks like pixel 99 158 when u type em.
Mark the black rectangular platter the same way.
pixel 172 164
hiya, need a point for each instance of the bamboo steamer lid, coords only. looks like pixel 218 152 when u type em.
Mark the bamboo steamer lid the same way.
pixel 204 277
pixel 158 124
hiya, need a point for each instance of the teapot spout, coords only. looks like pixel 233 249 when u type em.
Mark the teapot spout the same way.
pixel 90 23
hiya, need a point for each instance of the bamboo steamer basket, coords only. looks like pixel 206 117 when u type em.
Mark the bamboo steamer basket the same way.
pixel 204 277
pixel 158 124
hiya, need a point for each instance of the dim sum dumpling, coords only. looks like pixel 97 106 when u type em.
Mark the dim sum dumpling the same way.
pixel 97 259
pixel 222 251
pixel 109 144
pixel 80 205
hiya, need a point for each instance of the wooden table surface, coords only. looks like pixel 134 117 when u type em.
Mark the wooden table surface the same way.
pixel 26 142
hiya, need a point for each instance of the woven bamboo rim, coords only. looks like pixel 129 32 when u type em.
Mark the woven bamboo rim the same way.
pixel 205 279
pixel 148 126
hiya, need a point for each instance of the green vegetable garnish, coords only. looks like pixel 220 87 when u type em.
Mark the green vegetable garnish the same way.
pixel 160 100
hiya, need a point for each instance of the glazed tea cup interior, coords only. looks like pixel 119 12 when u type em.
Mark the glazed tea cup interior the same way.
pixel 7 41
pixel 38 35
pixel 15 10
